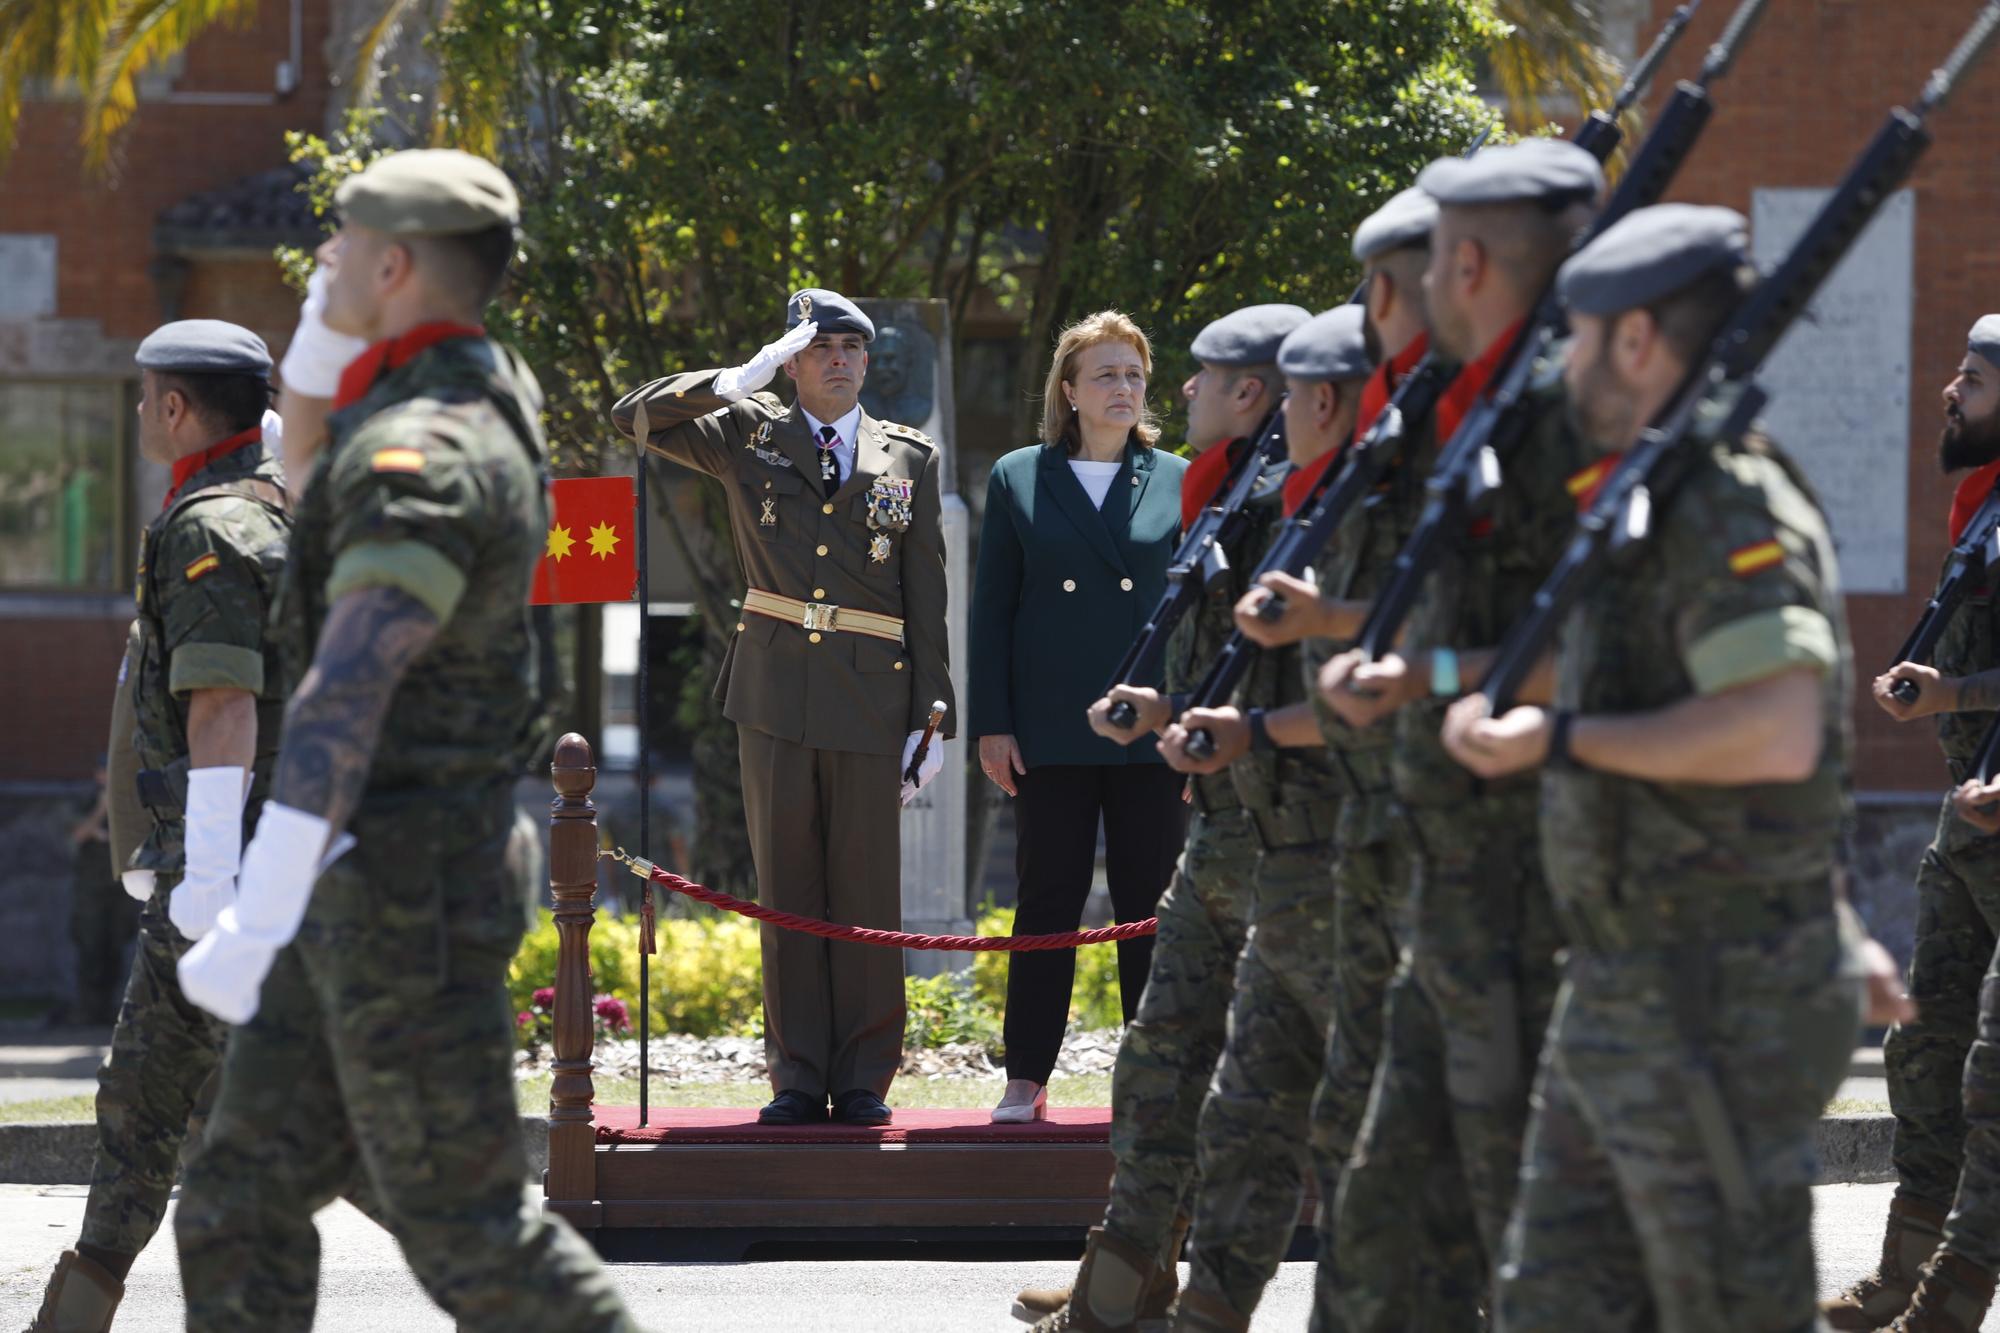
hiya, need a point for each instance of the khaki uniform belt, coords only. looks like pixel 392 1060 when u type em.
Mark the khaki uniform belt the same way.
pixel 823 616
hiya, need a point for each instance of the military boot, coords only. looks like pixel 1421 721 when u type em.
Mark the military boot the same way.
pixel 1916 1229
pixel 1037 1303
pixel 1952 1298
pixel 81 1298
pixel 1110 1295
pixel 1198 1312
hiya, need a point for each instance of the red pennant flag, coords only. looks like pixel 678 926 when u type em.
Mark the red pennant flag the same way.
pixel 591 554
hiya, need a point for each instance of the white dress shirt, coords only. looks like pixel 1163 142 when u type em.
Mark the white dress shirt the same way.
pixel 846 427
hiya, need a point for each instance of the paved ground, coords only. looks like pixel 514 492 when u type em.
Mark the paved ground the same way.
pixel 364 1286
pixel 51 1062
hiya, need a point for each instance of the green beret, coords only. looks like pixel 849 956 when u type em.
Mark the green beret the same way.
pixel 1651 253
pixel 830 311
pixel 1329 346
pixel 1248 337
pixel 1984 340
pixel 429 192
pixel 1404 221
pixel 1548 171
pixel 204 347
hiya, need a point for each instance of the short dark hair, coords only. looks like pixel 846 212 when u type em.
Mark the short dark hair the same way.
pixel 1690 318
pixel 474 262
pixel 231 403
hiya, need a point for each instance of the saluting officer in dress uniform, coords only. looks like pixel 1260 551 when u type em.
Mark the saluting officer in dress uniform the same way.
pixel 838 654
pixel 194 729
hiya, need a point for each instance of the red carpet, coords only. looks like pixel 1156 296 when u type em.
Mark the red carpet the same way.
pixel 736 1124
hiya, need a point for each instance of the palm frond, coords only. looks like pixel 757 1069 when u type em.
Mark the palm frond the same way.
pixel 1550 46
pixel 39 42
pixel 142 34
pixel 379 37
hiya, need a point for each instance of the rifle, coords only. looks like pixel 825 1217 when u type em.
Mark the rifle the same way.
pixel 1719 387
pixel 1200 558
pixel 1305 535
pixel 1469 468
pixel 1977 548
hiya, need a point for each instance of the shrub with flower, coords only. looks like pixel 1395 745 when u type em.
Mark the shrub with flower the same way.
pixel 535 1026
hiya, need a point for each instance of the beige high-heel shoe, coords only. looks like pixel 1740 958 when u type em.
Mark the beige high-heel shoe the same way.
pixel 1024 1102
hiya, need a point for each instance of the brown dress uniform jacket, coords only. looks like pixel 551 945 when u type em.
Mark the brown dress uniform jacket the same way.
pixel 824 689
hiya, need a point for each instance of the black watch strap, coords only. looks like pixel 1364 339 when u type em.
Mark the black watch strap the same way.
pixel 1260 735
pixel 1559 751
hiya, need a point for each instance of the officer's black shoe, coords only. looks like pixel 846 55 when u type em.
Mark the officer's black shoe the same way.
pixel 861 1107
pixel 792 1107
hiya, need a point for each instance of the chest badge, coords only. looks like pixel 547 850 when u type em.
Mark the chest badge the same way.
pixel 769 518
pixel 759 444
pixel 878 548
pixel 889 505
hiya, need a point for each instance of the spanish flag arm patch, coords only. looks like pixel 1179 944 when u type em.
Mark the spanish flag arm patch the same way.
pixel 200 566
pixel 1747 560
pixel 1588 478
pixel 396 460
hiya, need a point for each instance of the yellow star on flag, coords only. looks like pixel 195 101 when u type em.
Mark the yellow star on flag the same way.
pixel 559 542
pixel 603 540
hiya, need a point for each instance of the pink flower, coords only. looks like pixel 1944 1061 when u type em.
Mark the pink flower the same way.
pixel 523 1018
pixel 545 998
pixel 613 1012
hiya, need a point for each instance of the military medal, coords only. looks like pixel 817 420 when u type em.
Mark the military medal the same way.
pixel 827 471
pixel 769 518
pixel 759 438
pixel 878 548
pixel 889 505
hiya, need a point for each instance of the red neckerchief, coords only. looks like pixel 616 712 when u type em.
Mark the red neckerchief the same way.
pixel 1588 484
pixel 186 468
pixel 1389 377
pixel 391 353
pixel 1203 479
pixel 1299 485
pixel 1470 383
pixel 1971 494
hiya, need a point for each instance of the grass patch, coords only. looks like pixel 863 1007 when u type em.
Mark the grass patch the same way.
pixel 1064 1090
pixel 83 1106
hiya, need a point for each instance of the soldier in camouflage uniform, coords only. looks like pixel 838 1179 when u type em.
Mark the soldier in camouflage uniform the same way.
pixel 367 951
pixel 1129 1275
pixel 1931 1085
pixel 1694 800
pixel 202 693
pixel 1371 855
pixel 1255 1123
pixel 1466 1011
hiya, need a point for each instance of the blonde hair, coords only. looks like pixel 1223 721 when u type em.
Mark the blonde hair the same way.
pixel 1059 424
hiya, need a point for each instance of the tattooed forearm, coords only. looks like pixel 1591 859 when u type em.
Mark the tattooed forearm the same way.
pixel 331 726
pixel 1978 694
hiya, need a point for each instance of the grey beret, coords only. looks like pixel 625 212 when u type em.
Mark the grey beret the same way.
pixel 1551 170
pixel 833 312
pixel 1651 253
pixel 1329 346
pixel 1985 338
pixel 1404 220
pixel 1248 337
pixel 429 192
pixel 204 347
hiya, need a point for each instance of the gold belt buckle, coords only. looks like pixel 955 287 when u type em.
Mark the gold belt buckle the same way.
pixel 820 616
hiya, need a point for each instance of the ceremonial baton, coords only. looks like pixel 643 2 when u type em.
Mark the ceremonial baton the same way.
pixel 924 742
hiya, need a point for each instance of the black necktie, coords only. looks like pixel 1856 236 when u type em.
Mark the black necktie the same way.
pixel 829 465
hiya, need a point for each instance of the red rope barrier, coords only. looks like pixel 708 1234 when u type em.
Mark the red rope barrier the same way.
pixel 891 939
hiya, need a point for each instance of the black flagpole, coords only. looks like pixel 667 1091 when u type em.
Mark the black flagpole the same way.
pixel 645 787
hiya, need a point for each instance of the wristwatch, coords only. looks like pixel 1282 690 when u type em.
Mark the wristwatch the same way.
pixel 1559 755
pixel 1260 735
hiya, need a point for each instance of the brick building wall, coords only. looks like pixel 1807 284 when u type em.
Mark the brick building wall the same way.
pixel 1811 88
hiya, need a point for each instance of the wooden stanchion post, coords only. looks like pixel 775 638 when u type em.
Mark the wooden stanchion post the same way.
pixel 571 1184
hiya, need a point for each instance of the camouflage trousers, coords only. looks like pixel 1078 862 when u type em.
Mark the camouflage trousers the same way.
pixel 1668 1182
pixel 1449 1109
pixel 381 1060
pixel 1172 1043
pixel 1255 1124
pixel 1972 1231
pixel 153 1090
pixel 1958 913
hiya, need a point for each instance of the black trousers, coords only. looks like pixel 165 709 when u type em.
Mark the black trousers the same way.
pixel 1055 856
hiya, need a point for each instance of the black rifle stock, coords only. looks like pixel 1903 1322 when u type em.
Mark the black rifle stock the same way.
pixel 1971 555
pixel 1471 464
pixel 1201 557
pixel 1718 387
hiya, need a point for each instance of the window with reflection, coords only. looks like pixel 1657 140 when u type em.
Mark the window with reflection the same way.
pixel 65 450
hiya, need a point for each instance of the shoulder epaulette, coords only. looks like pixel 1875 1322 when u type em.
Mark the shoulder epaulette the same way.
pixel 909 433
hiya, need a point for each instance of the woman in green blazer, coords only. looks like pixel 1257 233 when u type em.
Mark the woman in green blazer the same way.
pixel 1073 554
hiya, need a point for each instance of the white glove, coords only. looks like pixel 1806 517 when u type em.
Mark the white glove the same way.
pixel 754 374
pixel 274 433
pixel 932 766
pixel 317 354
pixel 224 972
pixel 214 841
pixel 138 884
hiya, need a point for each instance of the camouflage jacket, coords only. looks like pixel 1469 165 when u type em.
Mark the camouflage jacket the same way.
pixel 209 567
pixel 1486 584
pixel 1738 582
pixel 1969 645
pixel 434 484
